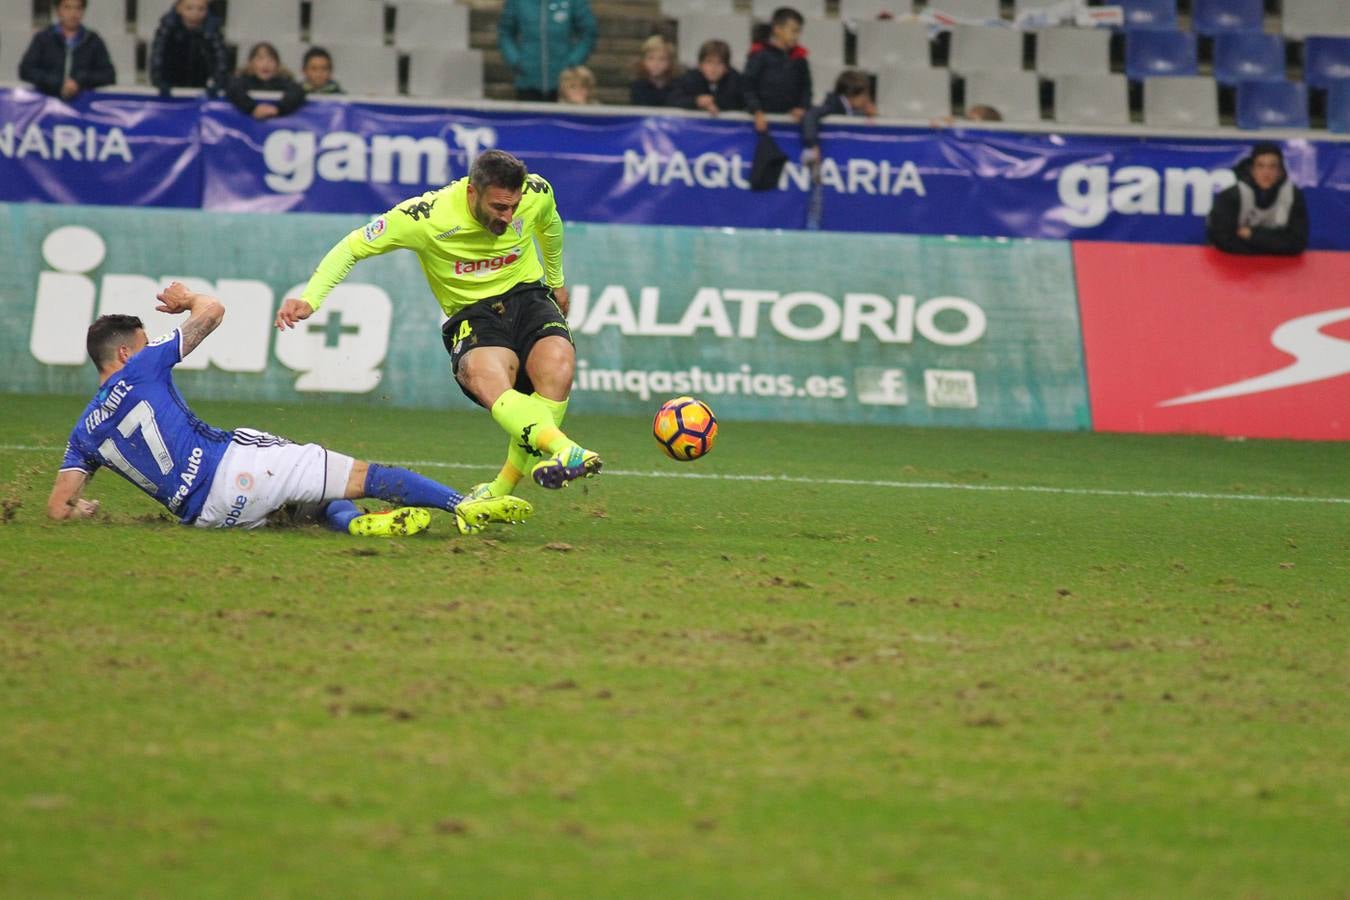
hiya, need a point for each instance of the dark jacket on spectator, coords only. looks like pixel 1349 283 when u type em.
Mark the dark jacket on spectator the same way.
pixel 777 80
pixel 729 93
pixel 834 105
pixel 44 64
pixel 183 58
pixel 645 92
pixel 1278 217
pixel 292 94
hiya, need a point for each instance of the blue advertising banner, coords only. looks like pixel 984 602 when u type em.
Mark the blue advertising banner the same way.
pixel 651 170
pixel 99 149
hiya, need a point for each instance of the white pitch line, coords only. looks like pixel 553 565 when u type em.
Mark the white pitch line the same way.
pixel 859 482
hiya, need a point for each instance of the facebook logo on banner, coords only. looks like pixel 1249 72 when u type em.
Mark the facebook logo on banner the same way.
pixel 881 387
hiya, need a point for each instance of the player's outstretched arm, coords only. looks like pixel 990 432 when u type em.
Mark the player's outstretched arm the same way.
pixel 65 501
pixel 205 311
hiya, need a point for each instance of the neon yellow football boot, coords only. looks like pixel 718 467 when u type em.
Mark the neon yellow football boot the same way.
pixel 565 466
pixel 392 523
pixel 472 515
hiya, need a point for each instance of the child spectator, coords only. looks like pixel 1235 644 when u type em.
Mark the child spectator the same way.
pixel 712 87
pixel 577 86
pixel 656 71
pixel 188 50
pixel 852 96
pixel 264 72
pixel 318 72
pixel 539 40
pixel 777 76
pixel 1264 213
pixel 67 58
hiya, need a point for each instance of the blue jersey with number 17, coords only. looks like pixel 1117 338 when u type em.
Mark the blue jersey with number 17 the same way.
pixel 140 426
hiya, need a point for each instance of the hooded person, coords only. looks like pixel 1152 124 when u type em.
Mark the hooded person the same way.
pixel 1264 213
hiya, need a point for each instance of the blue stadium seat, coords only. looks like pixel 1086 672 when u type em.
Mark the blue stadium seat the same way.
pixel 1215 16
pixel 1326 60
pixel 1338 107
pixel 1150 54
pixel 1150 14
pixel 1247 56
pixel 1272 104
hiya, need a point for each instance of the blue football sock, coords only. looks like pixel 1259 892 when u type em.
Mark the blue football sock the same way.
pixel 404 487
pixel 338 514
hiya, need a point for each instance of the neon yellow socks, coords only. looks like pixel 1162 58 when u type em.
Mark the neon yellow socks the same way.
pixel 531 422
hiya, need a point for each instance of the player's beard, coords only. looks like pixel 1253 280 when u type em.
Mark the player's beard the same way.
pixel 495 226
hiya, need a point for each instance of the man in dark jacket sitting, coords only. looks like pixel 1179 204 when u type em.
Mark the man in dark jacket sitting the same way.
pixel 777 77
pixel 712 87
pixel 852 96
pixel 67 58
pixel 1264 213
pixel 188 49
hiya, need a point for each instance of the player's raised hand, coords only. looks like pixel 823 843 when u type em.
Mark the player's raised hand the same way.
pixel 175 298
pixel 292 311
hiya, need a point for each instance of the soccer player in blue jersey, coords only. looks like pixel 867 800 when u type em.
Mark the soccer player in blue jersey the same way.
pixel 140 426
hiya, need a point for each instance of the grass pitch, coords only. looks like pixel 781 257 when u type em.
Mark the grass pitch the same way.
pixel 692 687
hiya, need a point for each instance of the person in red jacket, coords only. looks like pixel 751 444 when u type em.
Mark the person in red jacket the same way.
pixel 67 58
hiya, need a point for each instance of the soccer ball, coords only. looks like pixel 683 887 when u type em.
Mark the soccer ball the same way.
pixel 685 428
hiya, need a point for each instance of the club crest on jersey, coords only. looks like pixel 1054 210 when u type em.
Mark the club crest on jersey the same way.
pixel 375 229
pixel 518 225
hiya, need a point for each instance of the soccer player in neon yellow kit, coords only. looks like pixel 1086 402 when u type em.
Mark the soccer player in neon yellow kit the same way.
pixel 508 340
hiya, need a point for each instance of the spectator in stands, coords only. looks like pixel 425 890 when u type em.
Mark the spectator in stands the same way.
pixel 577 86
pixel 852 96
pixel 67 58
pixel 655 72
pixel 1264 213
pixel 538 46
pixel 777 76
pixel 264 72
pixel 712 87
pixel 188 50
pixel 980 112
pixel 318 73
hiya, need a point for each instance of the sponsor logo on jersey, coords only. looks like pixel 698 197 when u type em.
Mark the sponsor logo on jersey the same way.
pixel 474 266
pixel 375 229
pixel 536 184
pixel 417 210
pixel 236 511
pixel 163 339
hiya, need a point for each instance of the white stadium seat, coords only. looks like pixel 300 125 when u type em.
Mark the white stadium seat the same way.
pixel 442 26
pixel 446 73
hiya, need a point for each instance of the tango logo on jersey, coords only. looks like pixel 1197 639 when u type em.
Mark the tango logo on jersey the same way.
pixel 417 210
pixel 375 229
pixel 474 266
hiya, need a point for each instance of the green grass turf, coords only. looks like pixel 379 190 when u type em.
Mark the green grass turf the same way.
pixel 666 687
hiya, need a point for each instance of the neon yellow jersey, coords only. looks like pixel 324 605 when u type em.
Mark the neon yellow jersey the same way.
pixel 462 260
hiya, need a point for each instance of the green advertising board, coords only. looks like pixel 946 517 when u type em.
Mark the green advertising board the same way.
pixel 794 326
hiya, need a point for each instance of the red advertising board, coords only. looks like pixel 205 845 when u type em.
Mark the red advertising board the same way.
pixel 1190 340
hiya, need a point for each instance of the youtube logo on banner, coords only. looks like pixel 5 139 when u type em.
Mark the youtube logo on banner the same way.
pixel 1183 339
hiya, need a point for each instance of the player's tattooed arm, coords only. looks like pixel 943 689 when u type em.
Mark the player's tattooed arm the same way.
pixel 206 313
pixel 65 501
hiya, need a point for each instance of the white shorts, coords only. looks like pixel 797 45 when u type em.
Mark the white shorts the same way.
pixel 260 473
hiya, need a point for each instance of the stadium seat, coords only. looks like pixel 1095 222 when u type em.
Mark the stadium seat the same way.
pixel 1338 108
pixel 364 69
pixel 762 10
pixel 260 20
pixel 432 25
pixel 104 16
pixel 1272 104
pixel 693 29
pixel 823 76
pixel 1073 51
pixel 909 93
pixel 122 50
pixel 11 54
pixel 979 48
pixel 867 10
pixel 967 10
pixel 292 56
pixel 1248 57
pixel 1092 100
pixel 16 19
pixel 894 45
pixel 446 73
pixel 1301 18
pixel 1022 7
pixel 1016 95
pixel 1326 60
pixel 1150 54
pixel 1210 17
pixel 1152 15
pixel 1181 102
pixel 348 21
pixel 825 39
pixel 673 9
pixel 147 18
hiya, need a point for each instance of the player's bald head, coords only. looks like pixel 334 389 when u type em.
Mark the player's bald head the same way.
pixel 499 169
pixel 107 334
